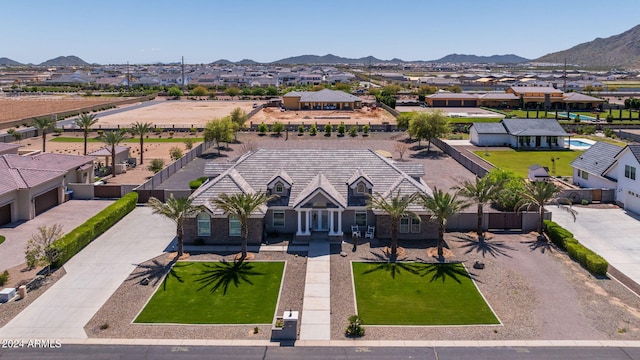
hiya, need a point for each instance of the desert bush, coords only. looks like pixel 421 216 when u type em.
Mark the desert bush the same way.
pixel 277 128
pixel 328 128
pixel 355 328
pixel 365 129
pixel 313 130
pixel 263 128
pixel 156 165
pixel 341 129
pixel 4 278
pixel 175 153
pixel 353 131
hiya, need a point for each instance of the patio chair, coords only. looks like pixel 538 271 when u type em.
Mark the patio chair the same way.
pixel 355 231
pixel 370 232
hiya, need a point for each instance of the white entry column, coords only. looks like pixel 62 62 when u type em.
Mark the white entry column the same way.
pixel 331 228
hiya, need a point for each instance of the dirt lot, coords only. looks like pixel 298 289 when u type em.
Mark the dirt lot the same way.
pixel 181 112
pixel 361 116
pixel 19 107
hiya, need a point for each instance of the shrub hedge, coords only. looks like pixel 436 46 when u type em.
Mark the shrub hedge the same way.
pixel 564 239
pixel 78 238
pixel 194 184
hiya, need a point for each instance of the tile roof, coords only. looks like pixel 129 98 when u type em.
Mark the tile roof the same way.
pixel 282 175
pixel 635 150
pixel 489 128
pixel 230 182
pixel 597 159
pixel 357 175
pixel 499 96
pixel 578 97
pixel 533 127
pixel 321 183
pixel 8 148
pixel 448 95
pixel 324 95
pixel 535 89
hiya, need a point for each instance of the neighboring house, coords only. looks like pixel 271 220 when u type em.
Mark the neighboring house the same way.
pixel 589 168
pixel 499 100
pixel 320 193
pixel 31 185
pixel 519 134
pixel 7 148
pixel 625 171
pixel 578 101
pixel 449 99
pixel 545 97
pixel 325 99
pixel 538 173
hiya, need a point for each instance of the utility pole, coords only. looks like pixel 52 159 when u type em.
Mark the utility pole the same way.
pixel 183 74
pixel 564 87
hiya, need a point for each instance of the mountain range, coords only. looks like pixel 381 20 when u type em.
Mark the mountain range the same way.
pixel 618 51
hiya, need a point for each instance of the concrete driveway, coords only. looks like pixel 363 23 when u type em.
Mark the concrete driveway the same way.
pixel 612 233
pixel 70 215
pixel 92 277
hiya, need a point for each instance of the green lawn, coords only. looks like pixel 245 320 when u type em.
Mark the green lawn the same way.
pixel 131 140
pixel 519 161
pixel 216 293
pixel 418 294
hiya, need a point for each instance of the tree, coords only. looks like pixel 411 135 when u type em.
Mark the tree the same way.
pixel 43 125
pixel 156 165
pixel 218 130
pixel 442 205
pixel 175 153
pixel 85 122
pixel 199 91
pixel 232 91
pixel 401 148
pixel 241 206
pixel 537 194
pixel 428 125
pixel 272 91
pixel 482 191
pixel 509 197
pixel 277 128
pixel 396 207
pixel 18 135
pixel 39 250
pixel 258 91
pixel 177 210
pixel 113 138
pixel 238 116
pixel 403 120
pixel 175 92
pixel 141 129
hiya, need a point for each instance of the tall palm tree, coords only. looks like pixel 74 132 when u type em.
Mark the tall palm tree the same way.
pixel 481 192
pixel 176 209
pixel 113 138
pixel 537 194
pixel 85 122
pixel 396 207
pixel 442 205
pixel 43 124
pixel 241 206
pixel 141 129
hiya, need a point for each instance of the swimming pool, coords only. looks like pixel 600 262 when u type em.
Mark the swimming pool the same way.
pixel 573 116
pixel 581 144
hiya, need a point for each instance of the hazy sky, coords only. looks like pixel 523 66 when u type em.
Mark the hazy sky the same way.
pixel 140 31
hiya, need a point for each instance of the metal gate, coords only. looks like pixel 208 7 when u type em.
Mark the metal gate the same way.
pixel 505 221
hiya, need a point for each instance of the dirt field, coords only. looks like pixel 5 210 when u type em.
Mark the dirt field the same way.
pixel 19 107
pixel 361 116
pixel 183 112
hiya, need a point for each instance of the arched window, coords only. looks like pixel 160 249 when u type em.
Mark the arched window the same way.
pixel 360 189
pixel 204 224
pixel 279 188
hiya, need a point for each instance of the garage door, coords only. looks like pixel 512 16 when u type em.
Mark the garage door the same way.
pixel 5 214
pixel 46 201
pixel 632 202
pixel 439 103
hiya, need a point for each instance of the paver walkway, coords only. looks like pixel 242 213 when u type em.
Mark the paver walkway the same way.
pixel 316 307
pixel 92 277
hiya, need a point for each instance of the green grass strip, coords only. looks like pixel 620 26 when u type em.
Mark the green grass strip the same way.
pixel 216 293
pixel 418 294
pixel 519 161
pixel 131 140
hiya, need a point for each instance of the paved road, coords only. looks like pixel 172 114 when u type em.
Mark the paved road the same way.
pixel 612 233
pixel 70 121
pixel 70 215
pixel 92 277
pixel 321 353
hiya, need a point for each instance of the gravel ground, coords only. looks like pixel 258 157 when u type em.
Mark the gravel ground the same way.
pixel 536 291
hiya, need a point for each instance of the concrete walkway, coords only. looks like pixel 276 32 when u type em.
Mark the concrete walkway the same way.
pixel 92 277
pixel 316 307
pixel 611 233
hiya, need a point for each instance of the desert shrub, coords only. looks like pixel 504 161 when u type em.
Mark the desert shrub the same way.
pixel 156 165
pixel 300 129
pixel 188 143
pixel 313 130
pixel 365 129
pixel 277 128
pixel 328 129
pixel 175 153
pixel 263 128
pixel 4 278
pixel 74 241
pixel 355 328
pixel 341 129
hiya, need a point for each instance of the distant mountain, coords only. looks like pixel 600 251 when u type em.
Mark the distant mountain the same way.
pixel 246 62
pixel 493 59
pixel 65 61
pixel 222 62
pixel 618 51
pixel 327 59
pixel 9 62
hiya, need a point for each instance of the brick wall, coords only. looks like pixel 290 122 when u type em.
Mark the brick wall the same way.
pixel 220 232
pixel 428 229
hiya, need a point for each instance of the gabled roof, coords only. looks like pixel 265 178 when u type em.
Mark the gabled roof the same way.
pixel 357 175
pixel 281 174
pixel 499 96
pixel 320 183
pixel 535 89
pixel 578 97
pixel 533 127
pixel 597 159
pixel 449 95
pixel 635 150
pixel 406 186
pixel 324 95
pixel 230 182
pixel 8 148
pixel 489 128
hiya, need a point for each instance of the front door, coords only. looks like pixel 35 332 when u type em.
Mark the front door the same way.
pixel 538 141
pixel 320 220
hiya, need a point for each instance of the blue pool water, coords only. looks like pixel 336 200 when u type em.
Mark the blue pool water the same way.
pixel 577 143
pixel 573 116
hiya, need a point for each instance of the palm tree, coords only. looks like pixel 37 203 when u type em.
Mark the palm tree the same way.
pixel 176 209
pixel 85 122
pixel 396 207
pixel 442 205
pixel 113 138
pixel 538 194
pixel 43 124
pixel 140 128
pixel 241 206
pixel 481 192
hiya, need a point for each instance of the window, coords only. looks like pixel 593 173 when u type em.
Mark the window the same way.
pixel 404 225
pixel 583 174
pixel 204 224
pixel 630 172
pixel 278 218
pixel 361 218
pixel 360 189
pixel 279 188
pixel 234 226
pixel 415 225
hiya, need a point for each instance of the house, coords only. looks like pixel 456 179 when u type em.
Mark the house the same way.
pixel 8 148
pixel 578 101
pixel 325 99
pixel 624 170
pixel 448 99
pixel 499 100
pixel 31 185
pixel 590 168
pixel 320 193
pixel 544 97
pixel 519 134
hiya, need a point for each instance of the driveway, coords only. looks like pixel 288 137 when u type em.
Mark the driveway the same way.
pixel 92 277
pixel 70 215
pixel 612 233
